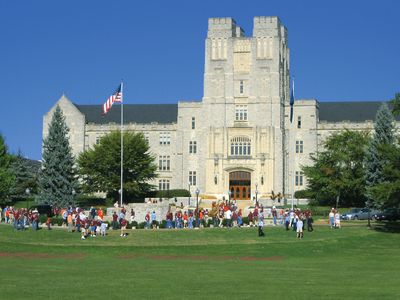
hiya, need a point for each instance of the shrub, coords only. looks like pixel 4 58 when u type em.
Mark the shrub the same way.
pixel 245 220
pixel 168 193
pixel 141 225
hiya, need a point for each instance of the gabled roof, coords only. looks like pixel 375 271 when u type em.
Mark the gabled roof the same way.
pixel 349 111
pixel 133 113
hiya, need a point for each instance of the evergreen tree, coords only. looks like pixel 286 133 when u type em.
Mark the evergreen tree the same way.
pixel 396 105
pixel 26 176
pixel 57 179
pixel 375 161
pixel 6 176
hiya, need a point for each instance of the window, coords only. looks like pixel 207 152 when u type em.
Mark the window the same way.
pixel 165 138
pixel 299 122
pixel 299 146
pixel 192 147
pixel 240 146
pixel 241 87
pixel 241 112
pixel 192 177
pixel 193 123
pixel 164 163
pixel 98 140
pixel 163 184
pixel 299 178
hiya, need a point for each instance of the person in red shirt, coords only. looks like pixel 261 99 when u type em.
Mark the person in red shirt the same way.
pixel 123 223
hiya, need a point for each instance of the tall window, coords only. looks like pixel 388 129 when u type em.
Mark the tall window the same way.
pixel 241 112
pixel 165 138
pixel 299 146
pixel 193 147
pixel 163 184
pixel 193 123
pixel 164 163
pixel 299 178
pixel 192 177
pixel 240 146
pixel 299 122
pixel 241 87
pixel 98 140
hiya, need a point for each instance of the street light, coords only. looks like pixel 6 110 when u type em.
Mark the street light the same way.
pixel 73 197
pixel 27 191
pixel 229 197
pixel 256 194
pixel 197 206
pixel 120 193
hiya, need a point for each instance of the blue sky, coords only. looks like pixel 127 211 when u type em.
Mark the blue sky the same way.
pixel 340 51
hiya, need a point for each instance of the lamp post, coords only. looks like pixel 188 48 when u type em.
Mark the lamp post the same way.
pixel 197 206
pixel 27 192
pixel 229 197
pixel 119 192
pixel 256 194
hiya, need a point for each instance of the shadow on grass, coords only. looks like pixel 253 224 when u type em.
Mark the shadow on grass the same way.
pixel 387 227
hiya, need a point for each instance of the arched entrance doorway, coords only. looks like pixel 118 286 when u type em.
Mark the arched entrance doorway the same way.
pixel 239 185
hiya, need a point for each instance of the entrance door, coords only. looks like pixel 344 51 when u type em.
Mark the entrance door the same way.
pixel 239 185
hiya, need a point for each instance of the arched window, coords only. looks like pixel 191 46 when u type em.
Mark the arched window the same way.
pixel 240 146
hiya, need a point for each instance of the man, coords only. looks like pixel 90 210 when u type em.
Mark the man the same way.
pixel 309 220
pixel 114 221
pixel 123 224
pixel 261 224
pixel 274 214
pixel 299 228
pixel 228 215
pixel 154 220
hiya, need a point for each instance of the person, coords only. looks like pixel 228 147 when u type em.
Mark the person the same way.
pixel 154 219
pixel 287 221
pixel 147 220
pixel 48 223
pixel 93 226
pixel 114 221
pixel 228 215
pixel 309 220
pixel 132 215
pixel 299 228
pixel 185 220
pixel 337 219
pixel 332 217
pixel 274 214
pixel 103 228
pixel 123 224
pixel 239 218
pixel 261 224
pixel 69 222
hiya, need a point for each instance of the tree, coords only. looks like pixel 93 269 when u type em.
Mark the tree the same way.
pixel 337 171
pixel 375 158
pixel 387 192
pixel 396 104
pixel 100 166
pixel 7 178
pixel 26 176
pixel 57 179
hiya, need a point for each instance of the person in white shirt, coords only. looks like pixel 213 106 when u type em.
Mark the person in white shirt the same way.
pixel 228 216
pixel 337 220
pixel 299 228
pixel 332 217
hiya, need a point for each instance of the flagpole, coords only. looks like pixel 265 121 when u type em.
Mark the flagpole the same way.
pixel 122 144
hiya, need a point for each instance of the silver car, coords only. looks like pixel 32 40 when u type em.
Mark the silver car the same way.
pixel 364 214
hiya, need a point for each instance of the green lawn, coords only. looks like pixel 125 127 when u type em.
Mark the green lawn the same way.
pixel 351 263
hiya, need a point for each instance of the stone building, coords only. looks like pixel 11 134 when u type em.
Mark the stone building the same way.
pixel 238 138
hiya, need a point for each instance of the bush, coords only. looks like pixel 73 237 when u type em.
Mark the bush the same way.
pixel 168 193
pixel 303 194
pixel 141 225
pixel 163 224
pixel 87 201
pixel 132 224
pixel 245 220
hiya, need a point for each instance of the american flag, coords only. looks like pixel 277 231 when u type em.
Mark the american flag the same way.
pixel 116 97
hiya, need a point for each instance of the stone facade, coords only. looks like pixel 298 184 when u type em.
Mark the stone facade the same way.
pixel 239 137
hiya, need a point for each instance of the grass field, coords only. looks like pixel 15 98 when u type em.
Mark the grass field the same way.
pixel 351 263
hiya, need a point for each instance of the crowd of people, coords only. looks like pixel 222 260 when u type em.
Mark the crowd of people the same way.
pixel 222 214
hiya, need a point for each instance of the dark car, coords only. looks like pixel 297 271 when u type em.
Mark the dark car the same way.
pixel 390 214
pixel 43 209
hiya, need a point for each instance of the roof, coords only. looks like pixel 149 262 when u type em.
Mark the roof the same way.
pixel 133 113
pixel 349 111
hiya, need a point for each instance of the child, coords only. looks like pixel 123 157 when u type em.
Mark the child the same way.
pixel 261 224
pixel 103 228
pixel 48 223
pixel 123 223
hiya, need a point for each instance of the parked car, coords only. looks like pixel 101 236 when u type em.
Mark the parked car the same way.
pixel 364 213
pixel 43 209
pixel 390 214
pixel 350 214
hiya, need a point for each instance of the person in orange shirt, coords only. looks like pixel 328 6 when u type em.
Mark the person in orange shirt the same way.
pixel 201 216
pixel 69 222
pixel 100 214
pixel 185 220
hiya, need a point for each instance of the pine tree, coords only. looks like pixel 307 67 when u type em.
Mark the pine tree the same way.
pixel 25 176
pixel 375 161
pixel 57 179
pixel 6 176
